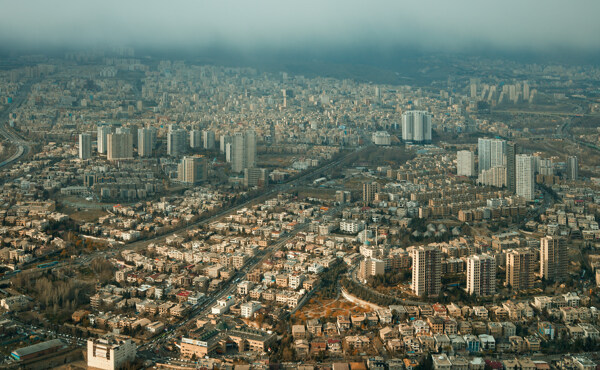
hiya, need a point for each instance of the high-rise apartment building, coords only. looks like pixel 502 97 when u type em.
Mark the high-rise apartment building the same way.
pixel 250 148
pixel 229 152
pixel 491 153
pixel 520 268
pixel 553 258
pixel 133 130
pixel 120 146
pixel 369 191
pixel 145 142
pixel 465 163
pixel 572 168
pixel 511 166
pixel 498 153
pixel 243 150
pixel 525 176
pixel 103 131
pixel 426 271
pixel 208 139
pixel 196 139
pixel 473 92
pixel 85 146
pixel 192 169
pixel 481 275
pixel 544 166
pixel 223 141
pixel 154 133
pixel 484 152
pixel 177 141
pixel 416 126
pixel 237 152
pixel 273 133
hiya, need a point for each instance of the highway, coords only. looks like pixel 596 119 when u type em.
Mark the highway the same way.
pixel 143 243
pixel 269 193
pixel 8 134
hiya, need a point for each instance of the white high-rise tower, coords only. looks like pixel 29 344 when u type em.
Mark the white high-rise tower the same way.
pixel 491 152
pixel 103 131
pixel 525 176
pixel 481 275
pixel 465 163
pixel 243 151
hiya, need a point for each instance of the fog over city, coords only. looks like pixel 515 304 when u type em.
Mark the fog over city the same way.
pixel 247 26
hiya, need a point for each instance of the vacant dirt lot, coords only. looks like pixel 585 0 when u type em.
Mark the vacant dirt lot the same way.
pixel 317 308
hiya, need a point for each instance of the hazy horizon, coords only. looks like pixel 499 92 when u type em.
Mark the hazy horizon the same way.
pixel 310 27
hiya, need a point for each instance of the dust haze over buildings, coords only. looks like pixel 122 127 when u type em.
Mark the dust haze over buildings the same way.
pixel 379 33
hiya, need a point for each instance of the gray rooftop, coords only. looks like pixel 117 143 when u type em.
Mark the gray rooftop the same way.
pixel 38 347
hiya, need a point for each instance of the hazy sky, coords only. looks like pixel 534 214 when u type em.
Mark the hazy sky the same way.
pixel 245 25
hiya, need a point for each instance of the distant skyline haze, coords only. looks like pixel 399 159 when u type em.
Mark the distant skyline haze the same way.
pixel 247 26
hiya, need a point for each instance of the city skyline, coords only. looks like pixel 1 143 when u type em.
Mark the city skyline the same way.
pixel 312 186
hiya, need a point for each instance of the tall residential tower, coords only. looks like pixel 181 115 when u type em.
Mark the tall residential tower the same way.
pixel 426 271
pixel 525 176
pixel 491 153
pixel 103 132
pixel 520 268
pixel 145 142
pixel 120 146
pixel 511 166
pixel 465 163
pixel 553 258
pixel 243 150
pixel 416 126
pixel 572 168
pixel 85 146
pixel 481 275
